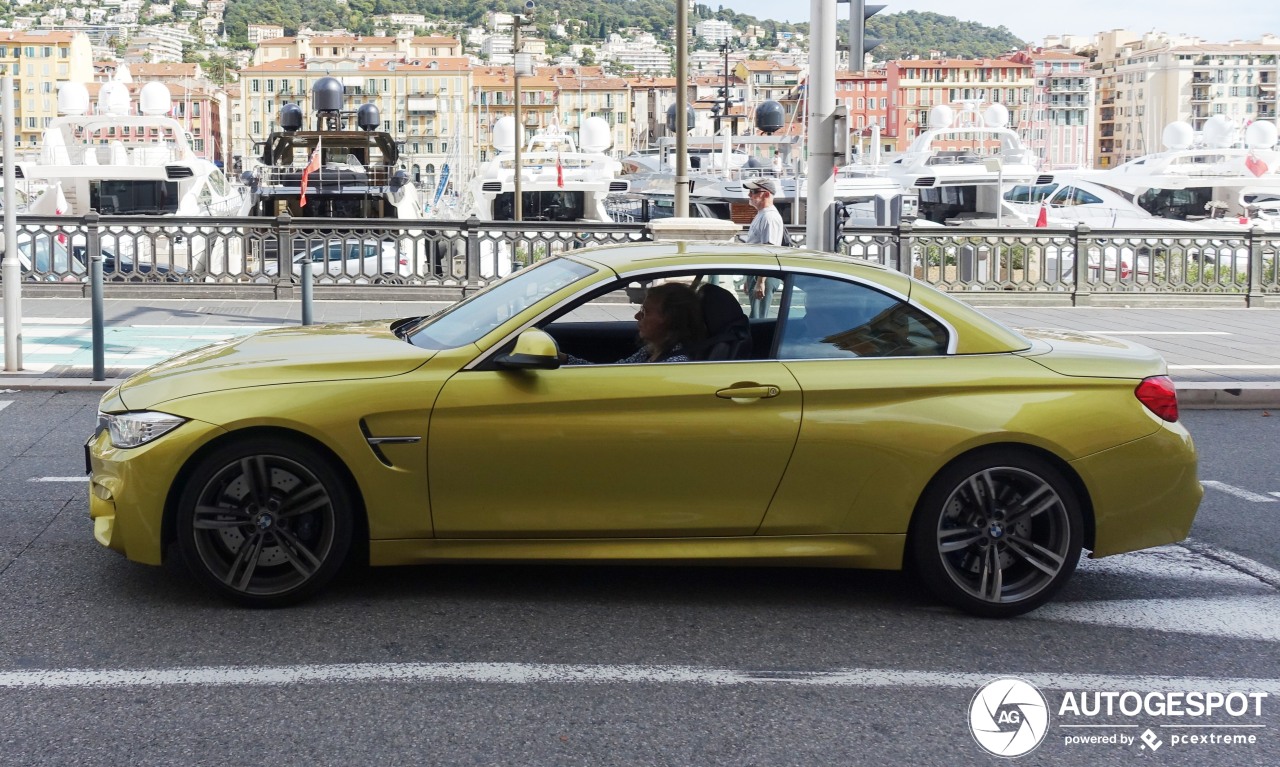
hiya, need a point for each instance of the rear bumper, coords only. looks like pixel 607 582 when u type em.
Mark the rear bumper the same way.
pixel 1145 493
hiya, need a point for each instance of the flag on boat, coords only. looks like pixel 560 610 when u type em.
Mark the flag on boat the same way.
pixel 60 208
pixel 1255 165
pixel 1042 220
pixel 559 172
pixel 313 164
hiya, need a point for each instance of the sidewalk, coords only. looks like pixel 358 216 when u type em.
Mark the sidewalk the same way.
pixel 1218 357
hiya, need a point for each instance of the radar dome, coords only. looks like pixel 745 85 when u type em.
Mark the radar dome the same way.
pixel 504 134
pixel 291 118
pixel 941 116
pixel 1178 135
pixel 595 135
pixel 769 117
pixel 326 94
pixel 1217 131
pixel 688 118
pixel 73 99
pixel 996 116
pixel 155 99
pixel 368 118
pixel 113 99
pixel 1259 135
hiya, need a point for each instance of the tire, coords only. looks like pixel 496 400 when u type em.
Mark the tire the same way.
pixel 997 534
pixel 264 522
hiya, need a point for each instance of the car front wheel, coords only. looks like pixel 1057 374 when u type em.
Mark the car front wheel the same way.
pixel 997 534
pixel 264 522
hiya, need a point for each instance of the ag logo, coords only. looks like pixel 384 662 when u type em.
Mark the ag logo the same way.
pixel 1008 717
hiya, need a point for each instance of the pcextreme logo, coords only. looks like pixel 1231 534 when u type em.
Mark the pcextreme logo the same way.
pixel 1008 717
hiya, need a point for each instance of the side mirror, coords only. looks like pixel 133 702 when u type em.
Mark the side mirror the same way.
pixel 534 350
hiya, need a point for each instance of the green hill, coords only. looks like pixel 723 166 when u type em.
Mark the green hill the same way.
pixel 905 34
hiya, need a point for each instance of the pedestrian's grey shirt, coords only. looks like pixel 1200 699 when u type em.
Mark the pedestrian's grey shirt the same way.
pixel 767 227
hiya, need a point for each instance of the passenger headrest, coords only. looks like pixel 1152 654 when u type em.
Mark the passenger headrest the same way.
pixel 720 309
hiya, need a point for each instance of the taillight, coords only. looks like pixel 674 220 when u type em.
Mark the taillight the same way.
pixel 1159 396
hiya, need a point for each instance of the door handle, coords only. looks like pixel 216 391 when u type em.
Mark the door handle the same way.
pixel 749 392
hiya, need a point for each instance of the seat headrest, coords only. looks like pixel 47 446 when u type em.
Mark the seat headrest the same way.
pixel 720 310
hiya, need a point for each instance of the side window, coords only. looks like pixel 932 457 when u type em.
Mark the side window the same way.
pixel 833 319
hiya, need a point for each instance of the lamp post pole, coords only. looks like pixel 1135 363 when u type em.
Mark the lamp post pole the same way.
pixel 682 106
pixel 724 48
pixel 517 212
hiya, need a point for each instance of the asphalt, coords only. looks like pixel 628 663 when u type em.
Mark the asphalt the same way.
pixel 1224 358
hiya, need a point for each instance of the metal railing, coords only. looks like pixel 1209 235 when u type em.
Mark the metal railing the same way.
pixel 262 258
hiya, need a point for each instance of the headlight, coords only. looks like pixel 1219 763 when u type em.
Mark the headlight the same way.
pixel 135 429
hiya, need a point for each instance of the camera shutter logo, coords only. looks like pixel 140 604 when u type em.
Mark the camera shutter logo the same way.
pixel 1008 717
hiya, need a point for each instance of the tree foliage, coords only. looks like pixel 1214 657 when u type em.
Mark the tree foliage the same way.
pixel 905 34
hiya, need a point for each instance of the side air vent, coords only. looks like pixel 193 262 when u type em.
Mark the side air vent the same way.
pixel 926 181
pixel 178 171
pixel 619 186
pixel 491 186
pixel 1043 180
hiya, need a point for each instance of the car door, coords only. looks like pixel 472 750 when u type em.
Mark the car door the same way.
pixel 611 450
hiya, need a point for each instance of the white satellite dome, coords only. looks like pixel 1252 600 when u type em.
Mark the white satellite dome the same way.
pixel 73 99
pixel 1178 135
pixel 996 116
pixel 941 116
pixel 504 134
pixel 1261 135
pixel 113 99
pixel 595 135
pixel 155 99
pixel 1218 131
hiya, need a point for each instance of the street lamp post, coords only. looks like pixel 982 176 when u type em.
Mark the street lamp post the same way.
pixel 725 47
pixel 517 211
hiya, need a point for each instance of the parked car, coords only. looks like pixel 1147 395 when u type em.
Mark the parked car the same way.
pixel 867 421
pixel 124 264
pixel 46 259
pixel 349 258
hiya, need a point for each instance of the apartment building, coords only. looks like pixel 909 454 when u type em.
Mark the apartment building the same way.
pixel 865 96
pixel 588 92
pixel 915 86
pixel 492 97
pixel 1061 130
pixel 1147 82
pixel 335 47
pixel 40 62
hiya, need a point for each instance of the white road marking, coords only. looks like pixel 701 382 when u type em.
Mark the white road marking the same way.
pixel 1159 332
pixel 1256 617
pixel 1237 491
pixel 1272 492
pixel 5 403
pixel 59 479
pixel 547 673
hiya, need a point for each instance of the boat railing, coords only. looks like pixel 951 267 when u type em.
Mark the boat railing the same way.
pixel 333 177
pixel 116 153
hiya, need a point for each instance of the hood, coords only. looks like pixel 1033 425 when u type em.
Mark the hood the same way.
pixel 1084 354
pixel 281 356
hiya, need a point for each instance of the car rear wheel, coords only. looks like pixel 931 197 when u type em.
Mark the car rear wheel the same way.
pixel 265 522
pixel 997 534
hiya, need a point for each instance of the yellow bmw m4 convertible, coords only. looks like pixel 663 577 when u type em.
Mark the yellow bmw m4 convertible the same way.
pixel 858 419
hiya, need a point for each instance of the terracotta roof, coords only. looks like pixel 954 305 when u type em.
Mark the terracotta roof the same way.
pixel 163 69
pixel 768 66
pixel 291 66
pixel 37 37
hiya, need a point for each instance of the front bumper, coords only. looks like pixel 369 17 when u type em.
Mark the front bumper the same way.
pixel 129 488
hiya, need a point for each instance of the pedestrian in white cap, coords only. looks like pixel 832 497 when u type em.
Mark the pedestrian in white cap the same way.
pixel 766 229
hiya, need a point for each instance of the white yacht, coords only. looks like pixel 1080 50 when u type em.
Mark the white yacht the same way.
pixel 118 163
pixel 960 166
pixel 1222 175
pixel 560 180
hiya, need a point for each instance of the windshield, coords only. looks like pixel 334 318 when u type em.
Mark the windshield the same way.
pixel 474 317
